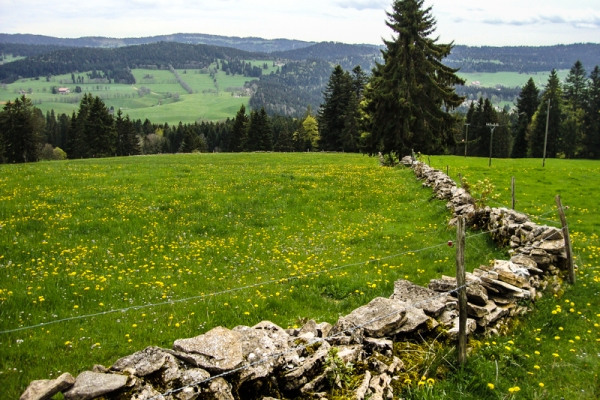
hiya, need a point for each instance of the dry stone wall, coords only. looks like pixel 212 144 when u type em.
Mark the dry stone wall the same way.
pixel 265 361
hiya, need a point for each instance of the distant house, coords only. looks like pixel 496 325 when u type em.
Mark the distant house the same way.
pixel 64 90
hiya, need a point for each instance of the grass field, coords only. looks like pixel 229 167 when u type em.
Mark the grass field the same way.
pixel 554 353
pixel 83 237
pixel 291 235
pixel 509 79
pixel 209 101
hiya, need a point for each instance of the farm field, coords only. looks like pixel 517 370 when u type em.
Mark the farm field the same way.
pixel 509 79
pixel 182 243
pixel 554 352
pixel 210 100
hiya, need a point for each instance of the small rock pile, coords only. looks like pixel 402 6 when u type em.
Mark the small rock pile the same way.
pixel 266 361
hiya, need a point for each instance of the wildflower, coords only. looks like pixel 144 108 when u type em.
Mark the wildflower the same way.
pixel 514 389
pixel 541 384
pixel 430 381
pixel 491 386
pixel 536 366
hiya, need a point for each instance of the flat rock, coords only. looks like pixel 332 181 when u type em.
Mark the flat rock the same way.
pixel 46 388
pixel 426 299
pixel 220 389
pixel 258 348
pixel 553 246
pixel 323 329
pixel 218 350
pixel 388 317
pixel 453 332
pixel 90 385
pixel 383 346
pixel 144 362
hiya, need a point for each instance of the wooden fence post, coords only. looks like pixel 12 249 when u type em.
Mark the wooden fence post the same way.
pixel 462 292
pixel 513 192
pixel 569 249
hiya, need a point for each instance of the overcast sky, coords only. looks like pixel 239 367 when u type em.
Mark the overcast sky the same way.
pixel 470 22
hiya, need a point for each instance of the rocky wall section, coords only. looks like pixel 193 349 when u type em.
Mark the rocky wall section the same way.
pixel 265 361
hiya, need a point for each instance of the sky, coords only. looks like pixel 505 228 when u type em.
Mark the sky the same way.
pixel 468 22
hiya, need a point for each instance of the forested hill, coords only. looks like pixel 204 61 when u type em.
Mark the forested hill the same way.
pixel 253 44
pixel 156 55
pixel 329 51
pixel 522 59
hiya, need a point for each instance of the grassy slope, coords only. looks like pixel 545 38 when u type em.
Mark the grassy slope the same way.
pixel 553 353
pixel 86 236
pixel 208 102
pixel 508 79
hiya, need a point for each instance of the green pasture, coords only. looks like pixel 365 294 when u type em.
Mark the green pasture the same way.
pixel 10 58
pixel 244 237
pixel 209 101
pixel 552 353
pixel 509 79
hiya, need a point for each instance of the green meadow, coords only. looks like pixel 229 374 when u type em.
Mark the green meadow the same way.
pixel 509 79
pixel 113 255
pixel 210 101
pixel 554 352
pixel 199 241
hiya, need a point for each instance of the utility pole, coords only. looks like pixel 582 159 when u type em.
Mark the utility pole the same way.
pixel 492 127
pixel 466 138
pixel 546 135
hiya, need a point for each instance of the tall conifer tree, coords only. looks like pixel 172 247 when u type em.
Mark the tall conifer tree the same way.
pixel 527 104
pixel 592 116
pixel 554 94
pixel 409 96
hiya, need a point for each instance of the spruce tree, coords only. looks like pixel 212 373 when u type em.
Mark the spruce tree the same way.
pixel 554 94
pixel 21 129
pixel 527 104
pixel 592 116
pixel 409 96
pixel 238 131
pixel 332 114
pixel 575 86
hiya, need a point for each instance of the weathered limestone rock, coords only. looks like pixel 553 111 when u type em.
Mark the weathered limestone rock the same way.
pixel 388 315
pixel 304 373
pixel 148 361
pixel 262 344
pixel 364 386
pixel 46 388
pixel 383 346
pixel 218 350
pixel 426 299
pixel 220 389
pixel 453 332
pixel 90 385
pixel 309 327
pixel 323 329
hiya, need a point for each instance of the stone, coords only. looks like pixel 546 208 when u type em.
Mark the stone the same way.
pixel 323 329
pixel 541 257
pixel 387 315
pixel 145 362
pixel 220 389
pixel 453 332
pixel 552 234
pixel 447 318
pixel 259 347
pixel 193 375
pixel 364 386
pixel 396 365
pixel 46 388
pixel 306 371
pixel 309 327
pixel 553 246
pixel 476 311
pixel 218 350
pixel 526 262
pixel 383 346
pixel 428 300
pixel 350 353
pixel 89 385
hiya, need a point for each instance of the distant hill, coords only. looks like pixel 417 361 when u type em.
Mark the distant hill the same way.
pixel 154 56
pixel 523 58
pixel 252 44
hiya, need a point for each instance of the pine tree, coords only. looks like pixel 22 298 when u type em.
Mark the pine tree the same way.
pixel 592 117
pixel 553 93
pixel 527 104
pixel 575 86
pixel 127 140
pixel 238 131
pixel 259 134
pixel 21 129
pixel 409 97
pixel 332 113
